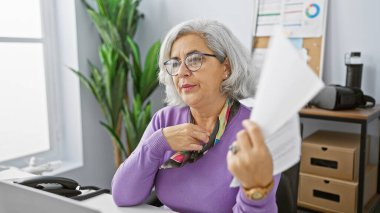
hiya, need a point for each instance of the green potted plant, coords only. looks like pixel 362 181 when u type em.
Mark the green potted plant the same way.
pixel 116 22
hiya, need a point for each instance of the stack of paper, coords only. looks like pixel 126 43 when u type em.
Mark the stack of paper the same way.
pixel 286 84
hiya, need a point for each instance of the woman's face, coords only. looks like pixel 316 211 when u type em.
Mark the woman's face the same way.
pixel 201 87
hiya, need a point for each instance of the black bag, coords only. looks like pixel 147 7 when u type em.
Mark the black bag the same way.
pixel 336 97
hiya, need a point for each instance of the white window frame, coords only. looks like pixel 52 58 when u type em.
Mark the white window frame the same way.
pixel 59 39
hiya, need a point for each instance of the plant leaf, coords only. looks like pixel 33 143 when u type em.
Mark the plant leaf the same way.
pixel 136 70
pixel 115 137
pixel 107 31
pixel 87 5
pixel 137 105
pixel 130 130
pixel 101 7
pixel 87 83
pixel 148 81
pixel 118 92
pixel 112 9
pixel 123 6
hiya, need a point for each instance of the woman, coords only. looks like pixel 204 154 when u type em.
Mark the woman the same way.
pixel 183 150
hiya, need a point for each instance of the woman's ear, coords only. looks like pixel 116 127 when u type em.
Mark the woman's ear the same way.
pixel 227 68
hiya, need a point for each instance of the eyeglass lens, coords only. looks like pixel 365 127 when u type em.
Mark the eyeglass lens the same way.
pixel 193 62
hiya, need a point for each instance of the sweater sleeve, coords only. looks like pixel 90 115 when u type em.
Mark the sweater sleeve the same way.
pixel 134 179
pixel 266 205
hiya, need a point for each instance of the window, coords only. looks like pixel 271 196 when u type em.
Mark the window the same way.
pixel 29 109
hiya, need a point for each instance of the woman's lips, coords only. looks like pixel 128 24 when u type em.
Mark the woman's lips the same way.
pixel 187 87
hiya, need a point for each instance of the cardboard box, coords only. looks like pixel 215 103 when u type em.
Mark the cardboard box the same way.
pixel 334 195
pixel 326 194
pixel 331 154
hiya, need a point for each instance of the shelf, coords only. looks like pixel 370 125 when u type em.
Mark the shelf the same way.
pixel 373 205
pixel 358 116
pixel 368 114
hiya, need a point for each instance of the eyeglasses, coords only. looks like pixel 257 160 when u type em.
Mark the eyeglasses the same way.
pixel 193 62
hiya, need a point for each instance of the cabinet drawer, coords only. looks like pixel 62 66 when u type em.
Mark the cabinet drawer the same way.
pixel 331 154
pixel 327 194
pixel 334 195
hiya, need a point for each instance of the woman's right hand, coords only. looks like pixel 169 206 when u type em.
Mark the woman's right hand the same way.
pixel 185 137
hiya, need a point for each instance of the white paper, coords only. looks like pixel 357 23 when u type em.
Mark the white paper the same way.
pixel 259 54
pixel 269 16
pixel 286 84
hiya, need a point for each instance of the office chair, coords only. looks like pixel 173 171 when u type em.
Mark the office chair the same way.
pixel 153 200
pixel 287 191
pixel 286 196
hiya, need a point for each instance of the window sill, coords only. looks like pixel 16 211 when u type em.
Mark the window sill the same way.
pixel 66 166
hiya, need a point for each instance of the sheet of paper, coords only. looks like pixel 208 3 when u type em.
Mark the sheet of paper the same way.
pixel 290 135
pixel 259 54
pixel 286 84
pixel 269 16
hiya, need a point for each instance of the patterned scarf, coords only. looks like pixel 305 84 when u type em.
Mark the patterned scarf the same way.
pixel 179 159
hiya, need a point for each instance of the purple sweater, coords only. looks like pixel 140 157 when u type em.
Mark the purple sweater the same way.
pixel 202 186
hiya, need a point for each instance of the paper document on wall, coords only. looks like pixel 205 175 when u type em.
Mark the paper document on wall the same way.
pixel 286 84
pixel 299 18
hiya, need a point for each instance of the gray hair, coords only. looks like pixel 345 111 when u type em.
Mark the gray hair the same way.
pixel 240 83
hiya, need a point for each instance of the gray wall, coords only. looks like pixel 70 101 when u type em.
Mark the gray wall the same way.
pixel 162 15
pixel 352 26
pixel 98 163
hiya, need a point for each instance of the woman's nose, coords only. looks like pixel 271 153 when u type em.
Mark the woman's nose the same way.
pixel 183 70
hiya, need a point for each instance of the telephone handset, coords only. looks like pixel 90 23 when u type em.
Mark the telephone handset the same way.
pixel 57 185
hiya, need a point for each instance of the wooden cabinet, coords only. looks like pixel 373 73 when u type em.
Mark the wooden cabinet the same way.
pixel 361 117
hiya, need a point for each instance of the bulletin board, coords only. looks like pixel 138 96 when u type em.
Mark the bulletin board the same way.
pixel 313 37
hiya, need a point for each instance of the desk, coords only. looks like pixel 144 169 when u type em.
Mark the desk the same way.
pixel 103 203
pixel 358 116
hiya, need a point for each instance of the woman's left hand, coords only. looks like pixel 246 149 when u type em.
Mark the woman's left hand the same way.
pixel 251 162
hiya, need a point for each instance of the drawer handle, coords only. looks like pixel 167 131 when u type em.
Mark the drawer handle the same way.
pixel 324 163
pixel 324 149
pixel 326 181
pixel 326 195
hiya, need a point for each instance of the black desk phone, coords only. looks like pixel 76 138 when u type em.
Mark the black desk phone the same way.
pixel 61 186
pixel 57 185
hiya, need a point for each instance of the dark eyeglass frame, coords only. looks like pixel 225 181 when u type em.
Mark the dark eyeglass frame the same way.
pixel 198 53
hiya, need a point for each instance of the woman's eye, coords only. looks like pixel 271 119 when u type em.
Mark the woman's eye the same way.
pixel 175 64
pixel 194 59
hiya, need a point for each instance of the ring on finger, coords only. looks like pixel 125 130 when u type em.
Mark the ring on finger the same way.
pixel 233 148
